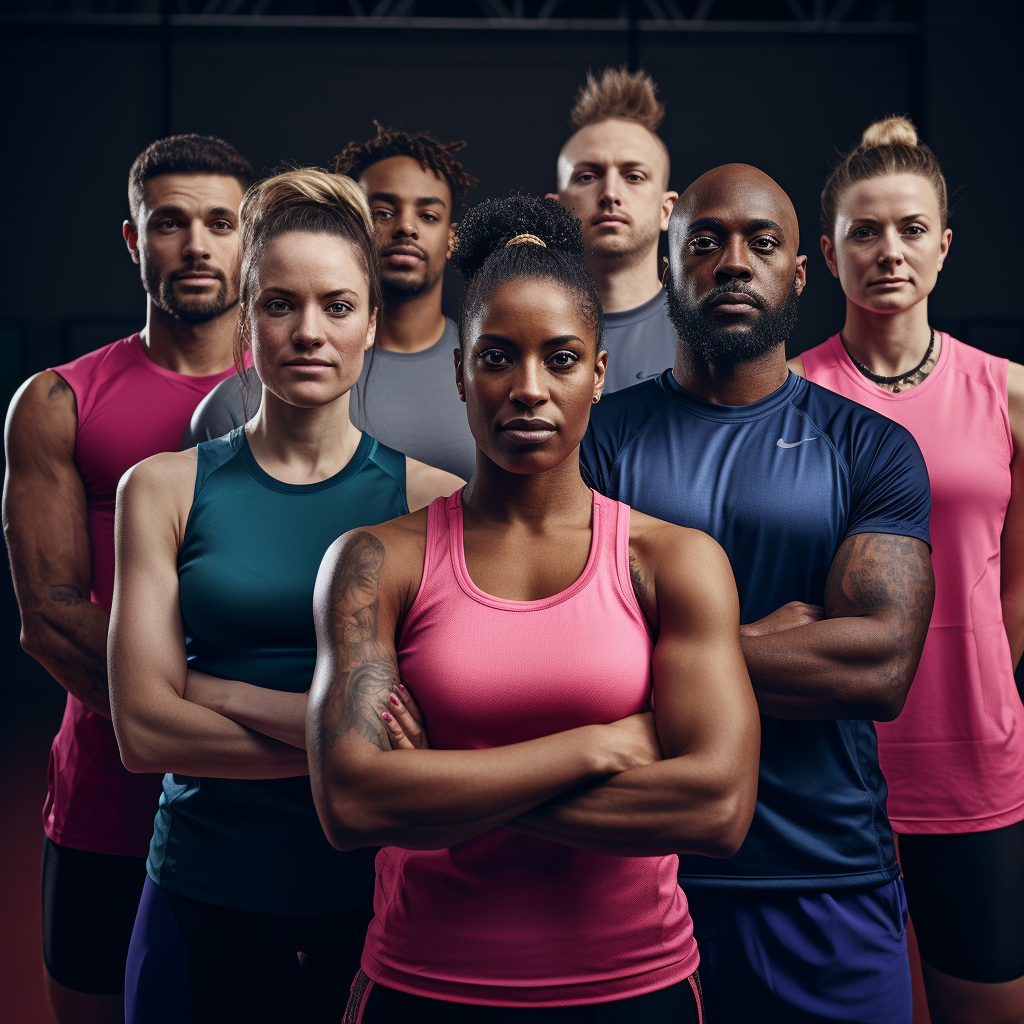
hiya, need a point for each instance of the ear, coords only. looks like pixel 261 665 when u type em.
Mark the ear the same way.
pixel 452 238
pixel 553 195
pixel 131 238
pixel 371 331
pixel 947 238
pixel 828 250
pixel 600 369
pixel 459 382
pixel 800 281
pixel 668 203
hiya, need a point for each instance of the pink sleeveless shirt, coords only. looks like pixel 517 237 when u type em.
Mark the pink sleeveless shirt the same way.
pixel 128 409
pixel 954 759
pixel 506 919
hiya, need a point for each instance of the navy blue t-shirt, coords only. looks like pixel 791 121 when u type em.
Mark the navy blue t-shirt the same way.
pixel 780 484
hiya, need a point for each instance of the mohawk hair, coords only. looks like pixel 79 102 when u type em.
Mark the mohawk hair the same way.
pixel 431 155
pixel 618 92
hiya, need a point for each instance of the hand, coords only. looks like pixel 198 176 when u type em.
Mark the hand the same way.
pixel 404 721
pixel 789 616
pixel 634 742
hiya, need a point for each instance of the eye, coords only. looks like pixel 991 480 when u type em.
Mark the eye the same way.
pixel 701 243
pixel 914 230
pixel 167 225
pixel 431 217
pixel 635 176
pixel 766 243
pixel 382 214
pixel 276 306
pixel 222 225
pixel 563 359
pixel 339 308
pixel 586 176
pixel 494 358
pixel 861 233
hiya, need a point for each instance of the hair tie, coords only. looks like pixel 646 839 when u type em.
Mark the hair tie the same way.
pixel 526 240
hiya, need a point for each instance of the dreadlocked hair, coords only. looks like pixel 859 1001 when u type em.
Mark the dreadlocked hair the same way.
pixel 619 93
pixel 304 199
pixel 890 146
pixel 485 259
pixel 431 155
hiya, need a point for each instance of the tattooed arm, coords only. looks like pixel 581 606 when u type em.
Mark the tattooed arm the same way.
pixel 44 513
pixel 369 795
pixel 859 661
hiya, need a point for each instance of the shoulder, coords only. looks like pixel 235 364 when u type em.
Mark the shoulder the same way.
pixel 660 544
pixel 43 411
pixel 622 413
pixel 228 405
pixel 796 365
pixel 165 475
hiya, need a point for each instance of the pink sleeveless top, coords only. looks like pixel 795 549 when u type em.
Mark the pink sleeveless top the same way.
pixel 128 409
pixel 954 760
pixel 506 919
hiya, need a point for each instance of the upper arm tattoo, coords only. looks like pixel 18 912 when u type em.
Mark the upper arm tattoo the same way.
pixel 881 572
pixel 365 667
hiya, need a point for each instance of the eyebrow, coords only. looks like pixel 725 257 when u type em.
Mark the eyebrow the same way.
pixel 714 224
pixel 390 197
pixel 216 211
pixel 325 295
pixel 561 339
pixel 643 165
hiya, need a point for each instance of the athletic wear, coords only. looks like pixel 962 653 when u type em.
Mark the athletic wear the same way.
pixel 967 891
pixel 89 904
pixel 375 1004
pixel 641 343
pixel 246 568
pixel 791 957
pixel 954 759
pixel 506 919
pixel 128 409
pixel 780 484
pixel 194 963
pixel 406 399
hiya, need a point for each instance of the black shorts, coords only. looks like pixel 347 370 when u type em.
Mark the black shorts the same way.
pixel 966 899
pixel 89 905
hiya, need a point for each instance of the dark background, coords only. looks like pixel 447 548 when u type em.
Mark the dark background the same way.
pixel 781 85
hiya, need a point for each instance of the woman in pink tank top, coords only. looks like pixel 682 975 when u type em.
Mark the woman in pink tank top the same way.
pixel 954 759
pixel 529 848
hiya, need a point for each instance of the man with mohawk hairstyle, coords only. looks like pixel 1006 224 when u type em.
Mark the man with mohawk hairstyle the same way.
pixel 613 175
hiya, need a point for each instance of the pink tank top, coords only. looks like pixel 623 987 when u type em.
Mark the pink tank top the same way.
pixel 128 409
pixel 506 919
pixel 954 760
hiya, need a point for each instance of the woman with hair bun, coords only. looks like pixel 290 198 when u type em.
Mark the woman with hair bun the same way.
pixel 954 759
pixel 529 866
pixel 212 642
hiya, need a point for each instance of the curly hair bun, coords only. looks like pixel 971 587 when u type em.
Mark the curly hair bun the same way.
pixel 491 225
pixel 891 131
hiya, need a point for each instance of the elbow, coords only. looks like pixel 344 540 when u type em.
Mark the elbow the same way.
pixel 138 754
pixel 35 640
pixel 348 824
pixel 728 823
pixel 892 696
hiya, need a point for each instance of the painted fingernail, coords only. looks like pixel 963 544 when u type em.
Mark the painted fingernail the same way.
pixel 394 700
pixel 385 716
pixel 405 692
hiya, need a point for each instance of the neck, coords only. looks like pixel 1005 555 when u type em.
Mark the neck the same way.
pixel 498 496
pixel 412 324
pixel 302 445
pixel 624 284
pixel 888 344
pixel 196 350
pixel 731 383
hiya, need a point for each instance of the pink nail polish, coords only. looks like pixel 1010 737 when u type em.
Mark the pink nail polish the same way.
pixel 385 716
pixel 393 699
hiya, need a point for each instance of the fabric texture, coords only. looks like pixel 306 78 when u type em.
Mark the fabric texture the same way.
pixel 954 759
pixel 128 409
pixel 247 566
pixel 780 484
pixel 507 919
pixel 641 343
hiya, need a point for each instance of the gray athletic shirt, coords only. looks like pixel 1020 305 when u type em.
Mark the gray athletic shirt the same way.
pixel 408 401
pixel 641 342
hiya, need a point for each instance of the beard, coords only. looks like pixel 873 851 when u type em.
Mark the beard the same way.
pixel 188 309
pixel 715 343
pixel 398 289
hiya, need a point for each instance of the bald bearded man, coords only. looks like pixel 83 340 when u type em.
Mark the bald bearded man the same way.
pixel 822 507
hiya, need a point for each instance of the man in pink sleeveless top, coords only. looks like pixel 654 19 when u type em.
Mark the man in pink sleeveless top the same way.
pixel 72 432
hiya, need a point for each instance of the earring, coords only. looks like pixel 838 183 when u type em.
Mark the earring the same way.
pixel 462 395
pixel 596 399
pixel 664 269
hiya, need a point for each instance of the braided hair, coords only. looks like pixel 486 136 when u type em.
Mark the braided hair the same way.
pixel 485 259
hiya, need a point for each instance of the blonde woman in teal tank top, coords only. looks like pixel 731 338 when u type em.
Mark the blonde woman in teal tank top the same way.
pixel 248 912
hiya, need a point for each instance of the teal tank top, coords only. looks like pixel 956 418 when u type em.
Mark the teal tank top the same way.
pixel 246 570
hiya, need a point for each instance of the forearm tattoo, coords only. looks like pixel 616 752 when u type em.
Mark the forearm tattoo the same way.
pixel 365 668
pixel 883 572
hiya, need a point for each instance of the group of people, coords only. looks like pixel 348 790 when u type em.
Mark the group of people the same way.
pixel 527 666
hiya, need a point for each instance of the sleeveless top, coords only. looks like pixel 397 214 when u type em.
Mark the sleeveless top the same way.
pixel 506 919
pixel 954 759
pixel 247 566
pixel 128 409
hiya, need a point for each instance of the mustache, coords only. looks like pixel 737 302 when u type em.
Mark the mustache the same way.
pixel 735 288
pixel 177 275
pixel 401 245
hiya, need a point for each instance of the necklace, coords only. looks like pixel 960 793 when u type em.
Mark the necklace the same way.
pixel 900 378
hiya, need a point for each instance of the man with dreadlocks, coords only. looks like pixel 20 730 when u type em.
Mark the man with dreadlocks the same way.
pixel 406 395
pixel 613 175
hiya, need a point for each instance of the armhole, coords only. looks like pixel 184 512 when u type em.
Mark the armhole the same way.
pixel 394 464
pixel 436 522
pixel 1003 395
pixel 622 573
pixel 210 456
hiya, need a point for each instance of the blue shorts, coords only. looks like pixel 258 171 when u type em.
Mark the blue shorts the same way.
pixel 797 957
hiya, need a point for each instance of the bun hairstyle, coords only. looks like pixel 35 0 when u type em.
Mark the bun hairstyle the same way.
pixel 309 200
pixel 501 240
pixel 889 146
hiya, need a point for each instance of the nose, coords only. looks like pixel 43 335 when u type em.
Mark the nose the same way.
pixel 528 386
pixel 890 253
pixel 405 222
pixel 309 330
pixel 610 191
pixel 196 242
pixel 733 262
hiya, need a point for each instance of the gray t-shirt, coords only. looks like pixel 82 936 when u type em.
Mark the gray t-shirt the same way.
pixel 407 401
pixel 641 342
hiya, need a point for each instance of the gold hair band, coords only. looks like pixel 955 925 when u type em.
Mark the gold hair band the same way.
pixel 526 240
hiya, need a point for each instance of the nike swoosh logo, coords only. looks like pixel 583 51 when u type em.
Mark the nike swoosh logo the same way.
pixel 794 444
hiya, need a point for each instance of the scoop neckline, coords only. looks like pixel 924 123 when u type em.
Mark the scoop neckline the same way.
pixel 873 389
pixel 354 464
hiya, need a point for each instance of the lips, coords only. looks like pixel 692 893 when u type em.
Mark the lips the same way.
pixel 404 255
pixel 607 219
pixel 734 302
pixel 528 430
